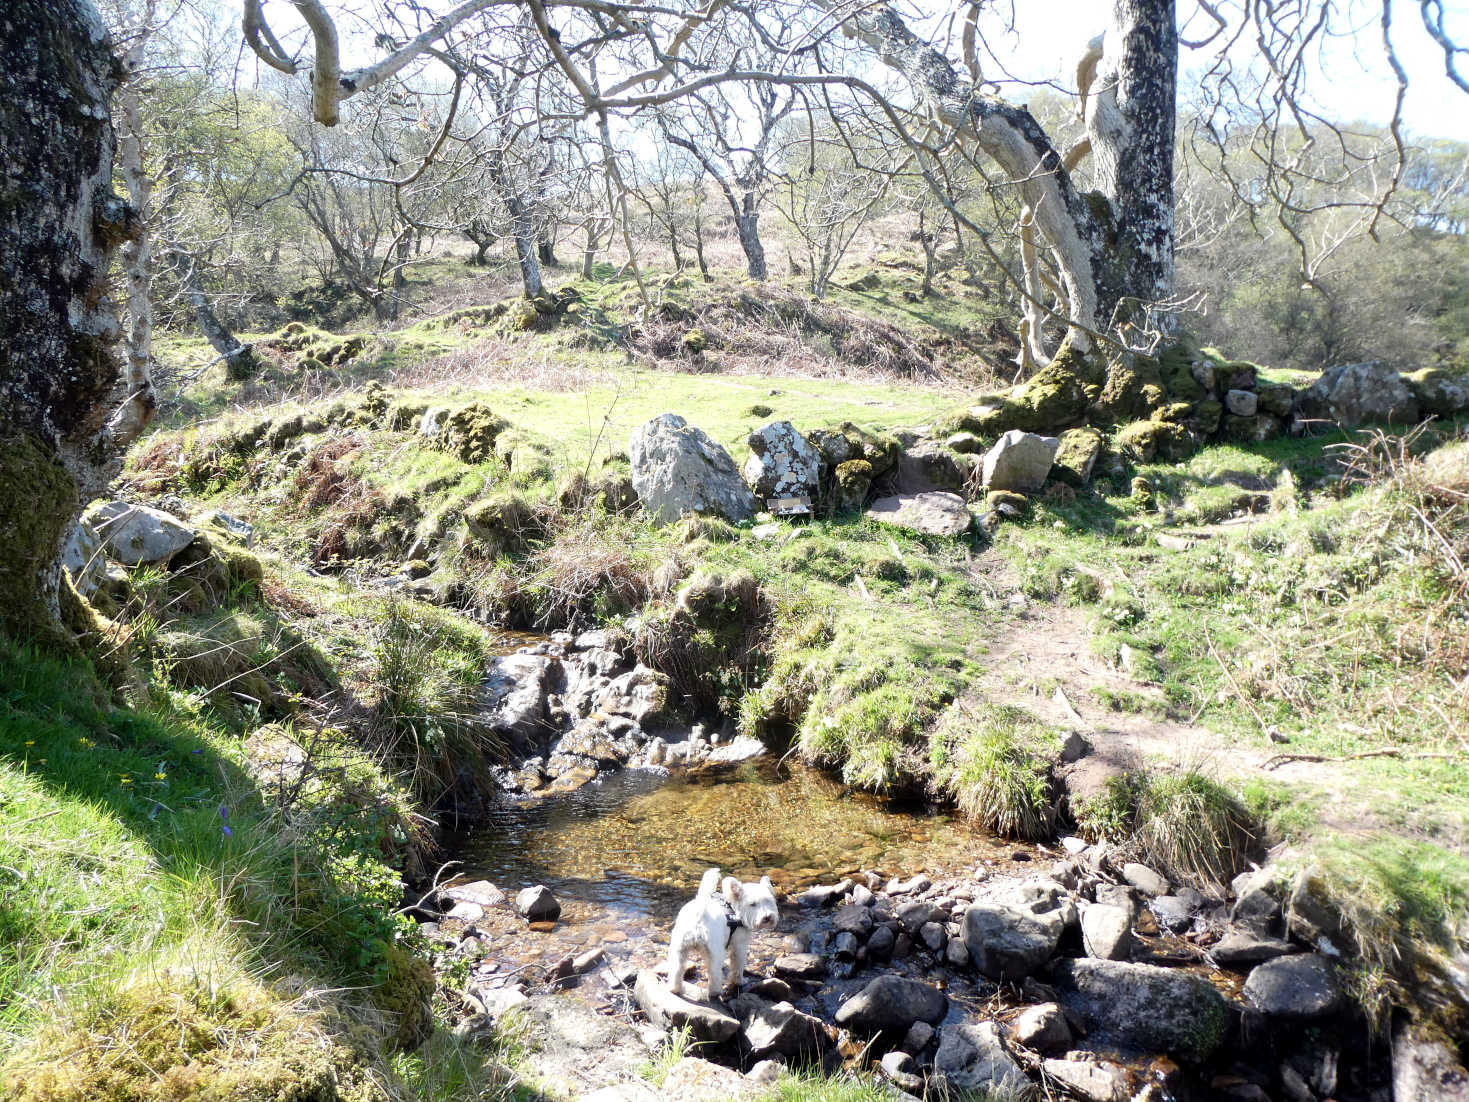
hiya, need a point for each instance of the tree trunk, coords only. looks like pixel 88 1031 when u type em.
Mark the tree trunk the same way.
pixel 137 254
pixel 239 360
pixel 1099 268
pixel 546 249
pixel 524 232
pixel 747 225
pixel 60 378
pixel 699 244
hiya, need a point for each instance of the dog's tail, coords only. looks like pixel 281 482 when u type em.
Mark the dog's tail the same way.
pixel 708 884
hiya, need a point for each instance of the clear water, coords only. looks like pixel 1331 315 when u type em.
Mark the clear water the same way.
pixel 634 844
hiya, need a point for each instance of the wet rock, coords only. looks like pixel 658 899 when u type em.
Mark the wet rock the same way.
pixel 934 513
pixel 1243 946
pixel 1094 1080
pixel 824 895
pixel 517 685
pixel 801 966
pixel 1106 932
pixel 641 695
pixel 1256 906
pixel 742 748
pixel 972 1057
pixel 919 883
pixel 1043 1028
pixel 902 946
pixel 1356 394
pixel 537 904
pixel 1118 895
pixel 136 534
pixel 1310 917
pixel 1145 879
pixel 897 1067
pixel 1173 912
pixel 779 1029
pixel 465 911
pixel 955 954
pixel 1297 988
pixel 772 990
pixel 1140 1005
pixel 933 937
pixel 917 1037
pixel 845 946
pixel 1019 462
pixel 916 914
pixel 669 1011
pixel 782 462
pixel 892 1004
pixel 853 919
pixel 677 469
pixel 880 943
pixel 1006 943
pixel 862 896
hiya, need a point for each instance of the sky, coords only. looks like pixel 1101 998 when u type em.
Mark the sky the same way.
pixel 1355 86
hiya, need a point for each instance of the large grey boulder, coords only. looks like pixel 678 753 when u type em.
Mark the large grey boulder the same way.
pixel 782 462
pixel 1425 1068
pixel 136 534
pixel 1006 943
pixel 677 469
pixel 1094 1080
pixel 83 557
pixel 1356 394
pixel 972 1057
pixel 892 1004
pixel 929 465
pixel 934 513
pixel 1298 988
pixel 1019 461
pixel 1144 1006
pixel 779 1029
pixel 537 904
pixel 1439 392
pixel 669 1011
pixel 1106 932
pixel 641 694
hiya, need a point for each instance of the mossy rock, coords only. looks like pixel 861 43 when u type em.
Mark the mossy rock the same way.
pixel 1133 389
pixel 1253 430
pixel 1007 503
pixel 503 522
pixel 881 450
pixel 1076 456
pixel 406 995
pixel 405 414
pixel 965 443
pixel 522 316
pixel 613 492
pixel 283 431
pixel 418 568
pixel 1207 416
pixel 1175 368
pixel 713 596
pixel 470 432
pixel 695 342
pixel 867 281
pixel 38 499
pixel 853 483
pixel 759 409
pixel 1439 392
pixel 835 446
pixel 530 462
pixel 1147 441
pixel 1055 397
pixel 1279 399
pixel 1176 412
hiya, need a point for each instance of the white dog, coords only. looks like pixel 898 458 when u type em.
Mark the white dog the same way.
pixel 716 919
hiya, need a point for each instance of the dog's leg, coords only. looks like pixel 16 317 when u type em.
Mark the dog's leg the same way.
pixel 739 951
pixel 716 972
pixel 675 969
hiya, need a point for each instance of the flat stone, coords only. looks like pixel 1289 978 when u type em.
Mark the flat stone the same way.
pixel 1006 943
pixel 913 886
pixel 897 1067
pixel 477 891
pixel 1300 988
pixel 669 1011
pixel 1243 946
pixel 853 919
pixel 1106 932
pixel 934 513
pixel 801 966
pixel 1093 1080
pixel 465 911
pixel 1145 879
pixel 971 1056
pixel 892 1004
pixel 916 914
pixel 1241 403
pixel 1144 1006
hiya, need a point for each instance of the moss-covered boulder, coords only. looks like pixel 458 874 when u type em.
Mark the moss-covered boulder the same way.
pixel 406 995
pixel 470 432
pixel 1147 441
pixel 502 523
pixel 880 449
pixel 1276 399
pixel 1207 416
pixel 1054 398
pixel 1133 389
pixel 1439 392
pixel 1007 503
pixel 1176 369
pixel 835 446
pixel 1252 430
pixel 1076 456
pixel 853 484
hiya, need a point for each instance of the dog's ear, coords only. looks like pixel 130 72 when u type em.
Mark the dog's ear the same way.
pixel 767 885
pixel 732 890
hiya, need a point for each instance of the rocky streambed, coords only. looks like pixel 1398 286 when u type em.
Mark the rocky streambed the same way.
pixel 935 956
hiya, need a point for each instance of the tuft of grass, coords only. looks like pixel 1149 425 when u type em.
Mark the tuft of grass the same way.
pixel 996 765
pixel 678 1044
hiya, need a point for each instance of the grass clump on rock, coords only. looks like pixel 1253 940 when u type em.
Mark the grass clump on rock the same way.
pixel 997 768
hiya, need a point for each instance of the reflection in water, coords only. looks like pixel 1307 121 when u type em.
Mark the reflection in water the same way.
pixel 635 843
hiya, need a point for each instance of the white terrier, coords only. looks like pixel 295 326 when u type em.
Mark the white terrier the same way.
pixel 716 919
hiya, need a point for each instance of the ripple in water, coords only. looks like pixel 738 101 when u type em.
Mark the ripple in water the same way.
pixel 634 843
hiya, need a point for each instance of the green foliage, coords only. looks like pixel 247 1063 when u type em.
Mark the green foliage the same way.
pixel 996 765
